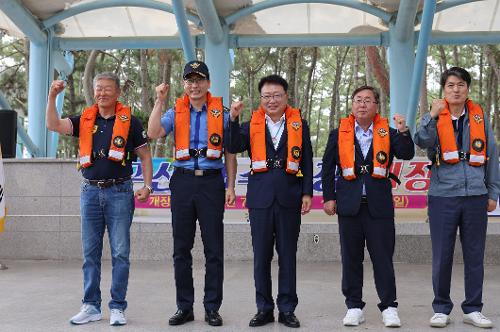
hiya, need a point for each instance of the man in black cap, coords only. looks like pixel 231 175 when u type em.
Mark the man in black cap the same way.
pixel 199 122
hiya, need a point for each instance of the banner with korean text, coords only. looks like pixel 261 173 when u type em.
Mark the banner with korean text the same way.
pixel 410 195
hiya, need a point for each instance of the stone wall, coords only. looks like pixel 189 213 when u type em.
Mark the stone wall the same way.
pixel 43 222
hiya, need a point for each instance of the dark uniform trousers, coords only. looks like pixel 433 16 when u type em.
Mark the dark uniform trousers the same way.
pixel 198 198
pixel 281 225
pixel 469 215
pixel 365 219
pixel 274 200
pixel 379 236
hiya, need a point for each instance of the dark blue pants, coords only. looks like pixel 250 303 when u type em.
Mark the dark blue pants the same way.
pixel 198 198
pixel 379 235
pixel 282 225
pixel 469 215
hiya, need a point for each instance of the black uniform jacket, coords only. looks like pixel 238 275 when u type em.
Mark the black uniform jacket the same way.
pixel 348 193
pixel 264 187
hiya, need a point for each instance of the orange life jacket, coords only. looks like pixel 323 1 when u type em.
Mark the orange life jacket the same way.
pixel 448 144
pixel 381 147
pixel 215 127
pixel 294 140
pixel 118 139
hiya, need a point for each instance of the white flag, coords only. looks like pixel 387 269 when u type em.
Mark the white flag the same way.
pixel 2 194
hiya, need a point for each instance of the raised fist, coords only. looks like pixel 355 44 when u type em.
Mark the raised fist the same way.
pixel 438 105
pixel 161 91
pixel 56 87
pixel 236 109
pixel 400 123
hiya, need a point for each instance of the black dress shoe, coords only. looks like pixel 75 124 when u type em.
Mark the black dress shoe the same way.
pixel 288 319
pixel 262 318
pixel 181 317
pixel 213 318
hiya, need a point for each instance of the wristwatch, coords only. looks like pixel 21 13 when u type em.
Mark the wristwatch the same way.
pixel 150 189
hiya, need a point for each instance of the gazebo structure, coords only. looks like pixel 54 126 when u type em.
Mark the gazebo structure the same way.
pixel 405 27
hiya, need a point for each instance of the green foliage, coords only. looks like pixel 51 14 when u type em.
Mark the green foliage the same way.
pixel 314 97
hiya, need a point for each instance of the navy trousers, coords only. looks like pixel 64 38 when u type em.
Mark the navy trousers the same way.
pixel 281 225
pixel 379 235
pixel 469 215
pixel 198 198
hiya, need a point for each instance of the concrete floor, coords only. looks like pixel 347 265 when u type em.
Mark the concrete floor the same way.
pixel 43 295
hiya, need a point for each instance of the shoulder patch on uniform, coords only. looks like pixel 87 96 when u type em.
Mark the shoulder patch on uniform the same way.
pixel 215 113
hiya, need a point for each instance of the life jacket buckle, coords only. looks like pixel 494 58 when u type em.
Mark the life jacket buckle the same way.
pixel 363 169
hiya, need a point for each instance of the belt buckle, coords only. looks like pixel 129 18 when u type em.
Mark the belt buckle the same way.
pixel 363 169
pixel 198 172
pixel 101 184
pixel 197 153
pixel 277 163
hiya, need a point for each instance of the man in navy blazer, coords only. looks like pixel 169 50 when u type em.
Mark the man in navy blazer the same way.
pixel 357 187
pixel 279 190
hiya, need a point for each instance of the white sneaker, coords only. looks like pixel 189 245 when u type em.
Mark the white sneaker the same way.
pixel 440 320
pixel 390 317
pixel 354 317
pixel 476 318
pixel 88 313
pixel 117 317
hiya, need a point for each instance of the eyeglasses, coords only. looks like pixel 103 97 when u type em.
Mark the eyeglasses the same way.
pixel 268 98
pixel 364 101
pixel 191 81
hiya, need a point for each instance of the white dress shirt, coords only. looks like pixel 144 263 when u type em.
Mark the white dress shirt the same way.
pixel 275 129
pixel 365 139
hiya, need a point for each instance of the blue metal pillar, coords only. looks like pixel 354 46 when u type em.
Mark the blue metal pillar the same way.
pixel 64 65
pixel 37 95
pixel 423 44
pixel 184 34
pixel 219 63
pixel 216 49
pixel 401 56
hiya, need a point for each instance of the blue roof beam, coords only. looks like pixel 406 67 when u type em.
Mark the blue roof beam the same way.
pixel 24 20
pixel 119 43
pixel 185 35
pixel 465 38
pixel 307 40
pixel 99 4
pixel 211 21
pixel 266 4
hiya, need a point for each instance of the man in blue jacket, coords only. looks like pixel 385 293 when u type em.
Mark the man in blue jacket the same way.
pixel 465 184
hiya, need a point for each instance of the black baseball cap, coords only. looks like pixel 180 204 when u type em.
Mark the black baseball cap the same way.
pixel 196 67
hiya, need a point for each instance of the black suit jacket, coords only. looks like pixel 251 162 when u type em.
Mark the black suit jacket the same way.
pixel 264 187
pixel 348 193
